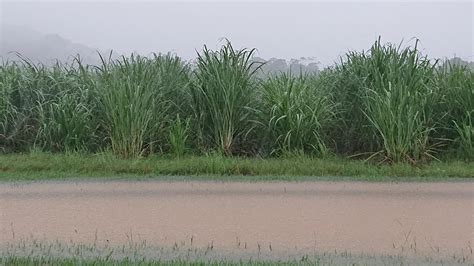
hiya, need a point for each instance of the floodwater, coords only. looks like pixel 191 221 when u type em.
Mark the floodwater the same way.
pixel 358 217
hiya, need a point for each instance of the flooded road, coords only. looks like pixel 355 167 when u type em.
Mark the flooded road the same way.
pixel 373 218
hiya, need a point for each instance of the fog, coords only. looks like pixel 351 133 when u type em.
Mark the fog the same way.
pixel 324 30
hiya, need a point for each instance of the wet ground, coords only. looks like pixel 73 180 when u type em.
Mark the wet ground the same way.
pixel 412 219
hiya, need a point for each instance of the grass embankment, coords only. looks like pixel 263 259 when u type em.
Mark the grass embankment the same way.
pixel 42 166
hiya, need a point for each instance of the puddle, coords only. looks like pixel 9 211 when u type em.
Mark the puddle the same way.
pixel 372 218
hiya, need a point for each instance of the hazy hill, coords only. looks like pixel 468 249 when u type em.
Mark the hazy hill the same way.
pixel 45 48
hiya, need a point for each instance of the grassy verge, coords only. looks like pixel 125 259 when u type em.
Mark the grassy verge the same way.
pixel 42 166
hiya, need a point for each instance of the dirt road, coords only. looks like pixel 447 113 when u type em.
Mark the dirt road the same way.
pixel 375 218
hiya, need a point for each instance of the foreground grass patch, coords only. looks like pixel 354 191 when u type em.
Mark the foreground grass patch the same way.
pixel 37 252
pixel 126 262
pixel 36 166
pixel 105 262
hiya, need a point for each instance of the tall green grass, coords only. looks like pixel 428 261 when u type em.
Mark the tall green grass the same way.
pixel 224 97
pixel 127 91
pixel 135 96
pixel 12 120
pixel 66 121
pixel 178 136
pixel 45 107
pixel 390 103
pixel 456 108
pixel 296 112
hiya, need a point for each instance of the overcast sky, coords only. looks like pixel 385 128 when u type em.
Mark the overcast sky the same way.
pixel 286 29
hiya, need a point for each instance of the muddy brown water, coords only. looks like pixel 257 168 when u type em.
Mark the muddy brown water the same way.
pixel 374 218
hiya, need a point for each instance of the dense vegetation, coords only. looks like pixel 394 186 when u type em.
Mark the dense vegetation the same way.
pixel 389 103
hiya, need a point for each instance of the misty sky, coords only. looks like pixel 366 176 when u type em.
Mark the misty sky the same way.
pixel 287 30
